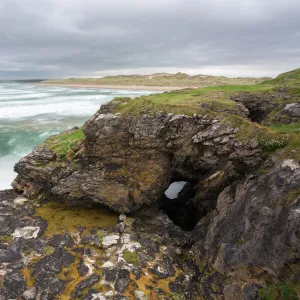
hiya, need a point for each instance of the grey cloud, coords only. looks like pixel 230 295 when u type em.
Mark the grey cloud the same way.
pixel 82 38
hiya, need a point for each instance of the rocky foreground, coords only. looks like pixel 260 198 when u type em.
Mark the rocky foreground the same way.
pixel 251 240
pixel 231 233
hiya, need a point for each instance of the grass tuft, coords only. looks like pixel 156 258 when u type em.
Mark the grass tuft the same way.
pixel 287 291
pixel 62 143
pixel 131 257
pixel 48 250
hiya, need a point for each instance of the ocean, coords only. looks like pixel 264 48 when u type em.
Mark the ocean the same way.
pixel 30 113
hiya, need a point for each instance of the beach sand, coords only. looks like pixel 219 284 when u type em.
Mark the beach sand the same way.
pixel 120 87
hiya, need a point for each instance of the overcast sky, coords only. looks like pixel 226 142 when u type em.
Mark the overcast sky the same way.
pixel 76 38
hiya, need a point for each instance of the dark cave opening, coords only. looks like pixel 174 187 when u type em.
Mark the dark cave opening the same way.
pixel 258 115
pixel 178 205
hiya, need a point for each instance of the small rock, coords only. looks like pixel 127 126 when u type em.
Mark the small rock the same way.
pixel 30 294
pixel 20 200
pixel 110 240
pixel 139 295
pixel 27 232
pixel 98 296
pixel 122 282
pixel 15 285
pixel 121 227
pixel 85 283
pixel 2 275
pixel 122 217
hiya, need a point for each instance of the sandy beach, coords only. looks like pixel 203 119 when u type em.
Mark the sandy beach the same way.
pixel 120 87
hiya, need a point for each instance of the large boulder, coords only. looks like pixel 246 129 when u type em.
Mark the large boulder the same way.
pixel 127 162
pixel 259 105
pixel 253 235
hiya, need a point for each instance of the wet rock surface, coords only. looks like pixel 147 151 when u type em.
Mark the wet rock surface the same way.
pixel 143 260
pixel 248 242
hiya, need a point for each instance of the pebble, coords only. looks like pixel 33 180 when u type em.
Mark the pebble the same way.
pixel 139 295
pixel 122 217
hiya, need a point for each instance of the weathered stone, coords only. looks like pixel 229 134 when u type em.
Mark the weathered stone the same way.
pixel 29 232
pixel 242 291
pixel 139 295
pixel 122 282
pixel 30 294
pixel 14 285
pixel 110 240
pixel 258 105
pixel 165 269
pixel 255 220
pixel 126 163
pixel 83 284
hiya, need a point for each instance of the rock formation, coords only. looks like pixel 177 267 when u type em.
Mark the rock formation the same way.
pixel 127 163
pixel 232 232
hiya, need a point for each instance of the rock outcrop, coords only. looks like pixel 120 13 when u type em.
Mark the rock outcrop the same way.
pixel 247 244
pixel 127 163
pixel 288 113
pixel 253 235
pixel 259 105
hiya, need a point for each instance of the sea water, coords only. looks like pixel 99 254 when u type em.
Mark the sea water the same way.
pixel 29 113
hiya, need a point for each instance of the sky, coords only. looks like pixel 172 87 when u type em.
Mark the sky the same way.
pixel 92 38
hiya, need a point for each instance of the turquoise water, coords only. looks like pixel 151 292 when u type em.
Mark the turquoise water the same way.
pixel 30 113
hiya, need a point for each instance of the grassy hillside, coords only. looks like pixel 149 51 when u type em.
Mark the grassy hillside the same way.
pixel 186 101
pixel 161 79
pixel 215 99
pixel 216 102
pixel 291 78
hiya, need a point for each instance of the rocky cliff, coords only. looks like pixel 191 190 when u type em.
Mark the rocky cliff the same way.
pixel 232 232
pixel 126 163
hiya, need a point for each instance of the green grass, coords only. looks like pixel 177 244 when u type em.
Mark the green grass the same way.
pixel 187 101
pixel 5 238
pixel 131 257
pixel 292 131
pixel 280 292
pixel 286 128
pixel 61 143
pixel 292 195
pixel 100 235
pixel 291 78
pixel 177 296
pixel 214 102
pixel 48 250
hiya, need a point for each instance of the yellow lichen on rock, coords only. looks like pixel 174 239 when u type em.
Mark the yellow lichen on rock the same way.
pixel 63 218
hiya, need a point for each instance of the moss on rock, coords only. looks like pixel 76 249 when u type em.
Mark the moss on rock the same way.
pixel 131 257
pixel 62 143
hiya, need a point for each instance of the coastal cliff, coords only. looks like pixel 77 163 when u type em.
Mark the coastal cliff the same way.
pixel 232 232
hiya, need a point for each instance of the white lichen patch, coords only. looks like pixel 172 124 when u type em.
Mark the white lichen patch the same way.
pixel 98 296
pixel 106 116
pixel 28 232
pixel 3 272
pixel 20 200
pixel 290 163
pixel 89 263
pixel 107 264
pixel 110 240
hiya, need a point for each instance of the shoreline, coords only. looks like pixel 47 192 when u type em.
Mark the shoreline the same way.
pixel 121 87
